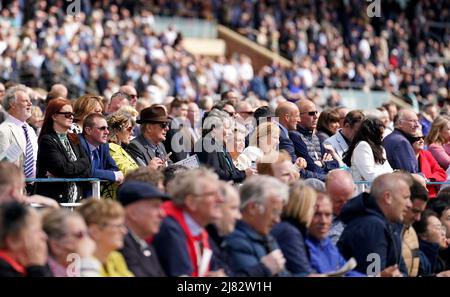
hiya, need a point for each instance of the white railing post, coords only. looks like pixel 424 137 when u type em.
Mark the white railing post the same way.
pixel 96 189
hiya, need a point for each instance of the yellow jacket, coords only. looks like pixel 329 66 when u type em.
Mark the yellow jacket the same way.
pixel 123 160
pixel 115 266
pixel 125 163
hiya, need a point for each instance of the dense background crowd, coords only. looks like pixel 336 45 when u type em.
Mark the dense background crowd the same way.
pixel 210 168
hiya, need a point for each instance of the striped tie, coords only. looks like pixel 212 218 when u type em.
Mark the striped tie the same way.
pixel 29 158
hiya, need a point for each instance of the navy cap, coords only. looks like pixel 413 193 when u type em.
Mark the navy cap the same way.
pixel 133 191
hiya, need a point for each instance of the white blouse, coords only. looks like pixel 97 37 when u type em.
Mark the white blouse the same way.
pixel 364 167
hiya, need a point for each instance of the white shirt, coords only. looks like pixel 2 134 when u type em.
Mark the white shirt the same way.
pixel 31 134
pixel 363 163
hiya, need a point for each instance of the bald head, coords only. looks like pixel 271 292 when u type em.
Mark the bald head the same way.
pixel 60 90
pixel 392 194
pixel 308 114
pixel 288 115
pixel 340 187
pixel 131 92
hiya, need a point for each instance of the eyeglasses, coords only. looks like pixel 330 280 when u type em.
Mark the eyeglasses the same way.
pixel 163 125
pixel 102 128
pixel 310 113
pixel 132 95
pixel 67 114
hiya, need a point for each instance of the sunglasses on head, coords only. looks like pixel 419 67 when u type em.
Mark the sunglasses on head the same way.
pixel 67 114
pixel 310 113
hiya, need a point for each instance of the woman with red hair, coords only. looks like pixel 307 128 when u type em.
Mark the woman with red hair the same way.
pixel 60 154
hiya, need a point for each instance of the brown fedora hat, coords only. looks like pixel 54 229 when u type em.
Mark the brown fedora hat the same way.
pixel 153 114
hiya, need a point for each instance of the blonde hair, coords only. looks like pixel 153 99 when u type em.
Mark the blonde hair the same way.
pixel 300 205
pixel 264 129
pixel 84 105
pixel 128 110
pixel 116 122
pixel 100 211
pixel 54 222
pixel 434 136
pixel 37 112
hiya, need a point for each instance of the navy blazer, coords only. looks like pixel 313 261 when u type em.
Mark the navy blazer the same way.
pixel 286 143
pixel 141 260
pixel 311 170
pixel 108 165
pixel 171 246
pixel 399 152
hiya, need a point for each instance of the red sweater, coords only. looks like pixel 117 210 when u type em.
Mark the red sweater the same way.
pixel 432 171
pixel 177 214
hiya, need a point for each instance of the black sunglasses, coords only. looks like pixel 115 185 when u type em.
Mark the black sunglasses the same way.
pixel 247 112
pixel 102 128
pixel 67 114
pixel 232 114
pixel 163 125
pixel 310 113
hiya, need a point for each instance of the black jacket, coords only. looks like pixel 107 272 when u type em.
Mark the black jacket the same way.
pixel 141 260
pixel 52 158
pixel 214 155
pixel 6 270
pixel 221 260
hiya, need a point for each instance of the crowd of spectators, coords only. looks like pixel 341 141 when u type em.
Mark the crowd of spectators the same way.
pixel 202 185
pixel 331 44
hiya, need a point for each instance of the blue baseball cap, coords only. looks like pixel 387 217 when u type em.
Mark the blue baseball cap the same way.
pixel 133 191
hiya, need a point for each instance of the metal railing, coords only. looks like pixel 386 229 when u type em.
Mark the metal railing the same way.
pixel 94 181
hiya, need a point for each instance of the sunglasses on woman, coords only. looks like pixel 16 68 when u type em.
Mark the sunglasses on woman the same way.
pixel 67 114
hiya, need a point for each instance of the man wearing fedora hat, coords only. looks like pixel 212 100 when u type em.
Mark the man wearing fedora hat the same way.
pixel 143 216
pixel 148 148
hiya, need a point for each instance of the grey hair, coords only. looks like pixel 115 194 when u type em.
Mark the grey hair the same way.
pixel 316 184
pixel 10 95
pixel 228 190
pixel 215 120
pixel 261 187
pixel 190 182
pixel 119 94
